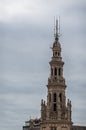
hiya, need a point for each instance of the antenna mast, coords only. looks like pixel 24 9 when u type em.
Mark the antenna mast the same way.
pixel 59 26
pixel 56 28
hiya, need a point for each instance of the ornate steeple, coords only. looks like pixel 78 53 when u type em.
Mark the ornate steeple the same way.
pixel 55 114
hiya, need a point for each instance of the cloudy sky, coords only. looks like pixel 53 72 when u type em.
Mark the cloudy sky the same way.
pixel 26 35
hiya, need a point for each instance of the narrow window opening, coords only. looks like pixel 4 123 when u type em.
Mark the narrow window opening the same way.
pixel 54 97
pixel 60 96
pixel 59 71
pixel 55 71
pixel 51 71
pixel 54 107
pixel 54 102
pixel 53 128
pixel 56 53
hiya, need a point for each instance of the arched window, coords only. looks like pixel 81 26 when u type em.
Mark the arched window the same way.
pixel 56 53
pixel 55 71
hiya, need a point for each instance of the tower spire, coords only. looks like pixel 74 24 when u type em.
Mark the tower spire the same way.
pixel 56 34
pixel 56 31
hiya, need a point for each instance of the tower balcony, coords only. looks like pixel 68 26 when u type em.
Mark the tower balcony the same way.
pixel 56 81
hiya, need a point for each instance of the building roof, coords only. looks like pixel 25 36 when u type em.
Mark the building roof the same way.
pixel 73 128
pixel 79 128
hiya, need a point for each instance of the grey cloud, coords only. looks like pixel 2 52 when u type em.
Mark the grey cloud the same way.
pixel 24 55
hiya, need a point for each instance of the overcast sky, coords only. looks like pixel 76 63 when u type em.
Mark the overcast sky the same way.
pixel 26 35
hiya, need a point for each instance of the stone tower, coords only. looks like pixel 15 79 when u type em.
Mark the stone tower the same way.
pixel 56 113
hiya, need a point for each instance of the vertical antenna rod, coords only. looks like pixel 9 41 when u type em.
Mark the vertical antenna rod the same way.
pixel 56 28
pixel 59 26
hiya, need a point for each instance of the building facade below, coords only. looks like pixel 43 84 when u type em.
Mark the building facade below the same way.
pixel 34 124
